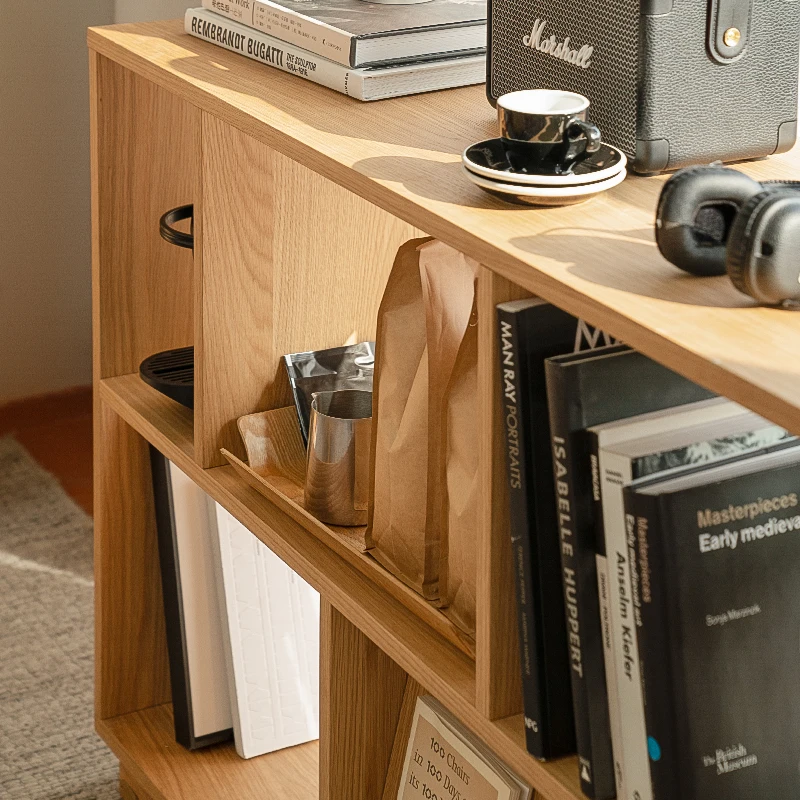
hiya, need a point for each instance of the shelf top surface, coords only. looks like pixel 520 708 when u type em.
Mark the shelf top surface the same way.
pixel 597 260
pixel 144 741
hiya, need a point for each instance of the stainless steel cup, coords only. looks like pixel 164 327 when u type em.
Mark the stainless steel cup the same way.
pixel 337 461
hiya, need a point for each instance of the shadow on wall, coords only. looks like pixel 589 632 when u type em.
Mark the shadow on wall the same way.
pixel 144 10
pixel 45 275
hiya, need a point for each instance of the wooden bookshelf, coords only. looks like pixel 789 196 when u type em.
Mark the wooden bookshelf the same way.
pixel 302 197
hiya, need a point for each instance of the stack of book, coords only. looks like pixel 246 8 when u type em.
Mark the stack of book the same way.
pixel 654 530
pixel 370 51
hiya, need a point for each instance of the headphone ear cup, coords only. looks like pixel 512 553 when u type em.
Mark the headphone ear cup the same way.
pixel 764 240
pixel 695 213
pixel 738 250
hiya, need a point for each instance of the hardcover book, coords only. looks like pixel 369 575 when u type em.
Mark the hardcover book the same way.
pixel 584 391
pixel 362 83
pixel 445 760
pixel 718 560
pixel 697 433
pixel 528 332
pixel 360 34
pixel 195 639
pixel 271 627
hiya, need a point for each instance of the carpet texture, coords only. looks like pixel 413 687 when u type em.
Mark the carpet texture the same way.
pixel 48 747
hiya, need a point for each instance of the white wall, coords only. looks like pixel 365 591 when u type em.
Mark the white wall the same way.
pixel 45 322
pixel 45 252
pixel 142 10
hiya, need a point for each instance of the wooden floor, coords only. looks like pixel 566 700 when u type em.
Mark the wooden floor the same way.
pixel 56 429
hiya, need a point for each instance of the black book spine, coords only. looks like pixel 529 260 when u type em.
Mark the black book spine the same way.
pixel 513 379
pixel 169 564
pixel 645 530
pixel 173 603
pixel 572 473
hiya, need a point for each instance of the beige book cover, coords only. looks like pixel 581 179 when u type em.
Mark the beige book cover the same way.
pixel 442 764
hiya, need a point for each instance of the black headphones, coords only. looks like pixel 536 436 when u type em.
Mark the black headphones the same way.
pixel 713 220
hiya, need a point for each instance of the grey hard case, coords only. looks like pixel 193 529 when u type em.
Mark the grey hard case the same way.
pixel 670 83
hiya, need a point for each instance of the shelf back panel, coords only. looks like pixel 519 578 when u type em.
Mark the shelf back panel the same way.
pixel 145 147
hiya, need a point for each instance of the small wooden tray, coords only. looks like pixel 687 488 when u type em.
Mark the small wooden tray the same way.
pixel 277 471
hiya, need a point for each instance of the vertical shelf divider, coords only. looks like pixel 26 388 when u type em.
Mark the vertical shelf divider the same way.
pixel 361 699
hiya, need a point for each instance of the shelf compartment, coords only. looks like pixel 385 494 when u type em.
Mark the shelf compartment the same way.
pixel 168 425
pixel 144 742
pixel 143 286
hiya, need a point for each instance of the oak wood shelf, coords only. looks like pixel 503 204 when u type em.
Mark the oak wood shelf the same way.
pixel 302 197
pixel 144 742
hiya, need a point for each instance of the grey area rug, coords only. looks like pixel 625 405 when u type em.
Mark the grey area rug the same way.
pixel 48 747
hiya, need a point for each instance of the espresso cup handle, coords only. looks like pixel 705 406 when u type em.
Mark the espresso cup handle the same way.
pixel 584 138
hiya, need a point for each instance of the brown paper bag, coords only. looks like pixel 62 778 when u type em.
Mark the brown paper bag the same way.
pixel 421 322
pixel 459 477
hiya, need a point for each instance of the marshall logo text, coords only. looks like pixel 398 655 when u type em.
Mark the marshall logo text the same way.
pixel 580 57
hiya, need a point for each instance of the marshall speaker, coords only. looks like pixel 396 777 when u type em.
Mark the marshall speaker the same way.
pixel 672 82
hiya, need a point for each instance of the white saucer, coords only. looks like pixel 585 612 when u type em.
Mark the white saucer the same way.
pixel 546 195
pixel 489 159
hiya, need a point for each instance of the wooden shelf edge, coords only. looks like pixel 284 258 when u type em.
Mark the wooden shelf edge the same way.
pixel 144 743
pixel 433 662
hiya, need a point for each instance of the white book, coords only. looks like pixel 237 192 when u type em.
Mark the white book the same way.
pixel 358 34
pixel 271 621
pixel 362 84
pixel 625 450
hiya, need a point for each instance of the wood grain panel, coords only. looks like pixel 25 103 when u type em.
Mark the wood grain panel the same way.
pixel 597 260
pixel 497 664
pixel 234 287
pixel 290 262
pixel 157 768
pixel 131 668
pixel 128 788
pixel 361 697
pixel 145 150
pixel 406 719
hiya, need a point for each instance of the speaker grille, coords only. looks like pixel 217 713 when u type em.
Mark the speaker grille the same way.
pixel 611 82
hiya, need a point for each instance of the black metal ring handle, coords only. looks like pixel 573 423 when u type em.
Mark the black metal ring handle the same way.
pixel 173 235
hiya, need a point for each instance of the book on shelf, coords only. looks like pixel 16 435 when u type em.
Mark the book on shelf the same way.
pixel 271 629
pixel 195 640
pixel 365 84
pixel 718 561
pixel 583 391
pixel 446 760
pixel 360 34
pixel 622 451
pixel 529 331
